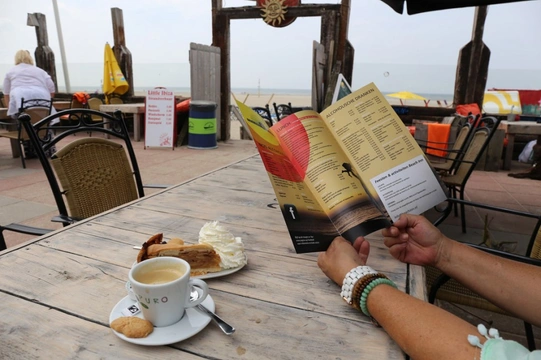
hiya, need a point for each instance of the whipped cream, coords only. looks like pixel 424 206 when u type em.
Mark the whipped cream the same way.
pixel 229 247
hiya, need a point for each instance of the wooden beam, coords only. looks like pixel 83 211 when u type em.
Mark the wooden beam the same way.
pixel 343 33
pixel 43 54
pixel 122 53
pixel 254 12
pixel 221 39
pixel 472 66
pixel 477 45
pixel 349 58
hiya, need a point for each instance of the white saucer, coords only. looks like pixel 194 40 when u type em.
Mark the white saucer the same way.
pixel 191 323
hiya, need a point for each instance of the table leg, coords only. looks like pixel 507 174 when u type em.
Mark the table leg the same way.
pixel 509 151
pixel 136 129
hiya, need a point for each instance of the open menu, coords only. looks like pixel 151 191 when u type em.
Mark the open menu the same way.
pixel 350 170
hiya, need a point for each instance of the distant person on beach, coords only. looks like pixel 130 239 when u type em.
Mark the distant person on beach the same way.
pixel 422 330
pixel 26 81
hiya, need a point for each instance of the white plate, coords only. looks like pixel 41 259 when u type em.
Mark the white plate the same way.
pixel 221 273
pixel 191 323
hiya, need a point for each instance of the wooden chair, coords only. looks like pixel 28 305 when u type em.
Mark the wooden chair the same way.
pixel 440 286
pixel 265 113
pixel 456 181
pixel 282 110
pixel 88 175
pixel 30 230
pixel 37 109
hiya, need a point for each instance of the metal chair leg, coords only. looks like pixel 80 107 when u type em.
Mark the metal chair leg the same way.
pixel 21 153
pixel 3 245
pixel 529 336
pixel 462 211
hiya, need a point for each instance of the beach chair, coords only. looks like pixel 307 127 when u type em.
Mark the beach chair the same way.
pixel 440 286
pixel 89 175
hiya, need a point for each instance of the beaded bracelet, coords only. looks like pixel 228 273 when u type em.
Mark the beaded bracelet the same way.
pixel 359 287
pixel 366 292
pixel 351 279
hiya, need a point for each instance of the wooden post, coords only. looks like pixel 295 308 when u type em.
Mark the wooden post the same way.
pixel 221 39
pixel 472 69
pixel 44 54
pixel 334 30
pixel 122 54
pixel 329 35
pixel 347 69
pixel 343 33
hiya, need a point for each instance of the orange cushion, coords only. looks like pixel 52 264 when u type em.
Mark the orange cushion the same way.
pixel 438 133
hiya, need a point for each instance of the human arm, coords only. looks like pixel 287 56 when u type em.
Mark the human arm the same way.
pixel 413 239
pixel 6 89
pixel 416 326
pixel 49 83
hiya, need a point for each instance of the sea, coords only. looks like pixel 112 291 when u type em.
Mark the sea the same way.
pixel 246 90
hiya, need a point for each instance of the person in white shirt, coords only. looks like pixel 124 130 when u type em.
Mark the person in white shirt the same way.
pixel 25 80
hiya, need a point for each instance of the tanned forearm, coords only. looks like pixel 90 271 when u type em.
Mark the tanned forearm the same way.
pixel 511 285
pixel 422 330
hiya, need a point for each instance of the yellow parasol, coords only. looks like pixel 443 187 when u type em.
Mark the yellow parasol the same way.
pixel 406 95
pixel 114 81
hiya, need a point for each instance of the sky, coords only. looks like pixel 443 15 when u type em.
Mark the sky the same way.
pixel 398 52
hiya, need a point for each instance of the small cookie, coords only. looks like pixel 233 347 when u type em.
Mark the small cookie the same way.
pixel 132 326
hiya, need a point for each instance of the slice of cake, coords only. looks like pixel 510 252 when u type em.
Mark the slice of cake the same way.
pixel 201 257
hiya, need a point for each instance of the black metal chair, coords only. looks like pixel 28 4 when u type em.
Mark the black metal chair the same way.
pixel 29 230
pixel 456 181
pixel 441 286
pixel 89 175
pixel 455 150
pixel 37 109
pixel 265 113
pixel 282 110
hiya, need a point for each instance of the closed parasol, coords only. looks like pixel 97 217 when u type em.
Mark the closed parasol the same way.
pixel 114 81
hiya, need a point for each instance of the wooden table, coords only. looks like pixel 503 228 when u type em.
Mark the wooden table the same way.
pixel 513 128
pixel 135 109
pixel 57 291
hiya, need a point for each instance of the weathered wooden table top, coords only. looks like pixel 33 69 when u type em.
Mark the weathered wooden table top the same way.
pixel 58 290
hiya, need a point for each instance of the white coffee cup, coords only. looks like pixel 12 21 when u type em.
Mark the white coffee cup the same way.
pixel 162 287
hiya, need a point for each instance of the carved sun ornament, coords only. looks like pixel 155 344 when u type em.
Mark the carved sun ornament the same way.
pixel 273 12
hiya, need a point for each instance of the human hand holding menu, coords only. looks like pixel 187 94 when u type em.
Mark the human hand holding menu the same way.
pixel 350 170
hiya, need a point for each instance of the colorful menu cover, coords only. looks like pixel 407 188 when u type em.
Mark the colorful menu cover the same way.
pixel 350 170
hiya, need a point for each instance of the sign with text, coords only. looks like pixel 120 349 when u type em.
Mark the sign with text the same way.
pixel 160 118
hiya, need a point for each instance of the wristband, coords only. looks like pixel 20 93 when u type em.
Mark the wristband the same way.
pixel 351 279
